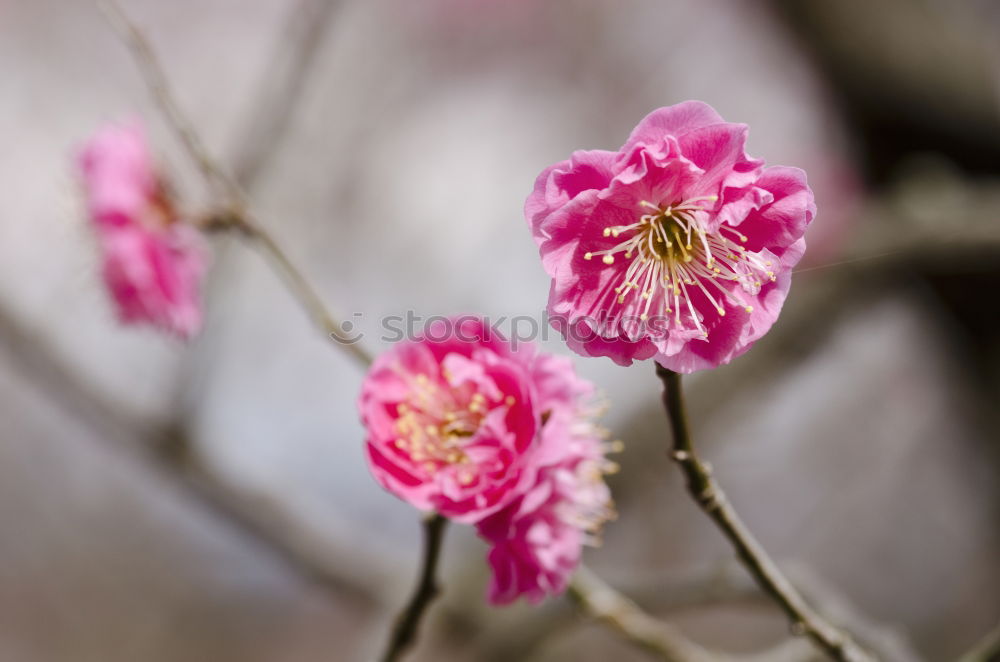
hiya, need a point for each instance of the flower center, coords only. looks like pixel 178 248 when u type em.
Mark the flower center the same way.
pixel 672 257
pixel 436 422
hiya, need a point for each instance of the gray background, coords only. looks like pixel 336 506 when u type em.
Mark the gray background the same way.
pixel 858 438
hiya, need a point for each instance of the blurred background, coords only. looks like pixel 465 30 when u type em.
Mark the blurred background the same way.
pixel 210 502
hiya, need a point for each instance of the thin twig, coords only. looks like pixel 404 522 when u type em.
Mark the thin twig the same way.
pixel 404 632
pixel 662 640
pixel 633 624
pixel 237 216
pixel 301 288
pixel 709 495
pixel 156 79
pixel 987 650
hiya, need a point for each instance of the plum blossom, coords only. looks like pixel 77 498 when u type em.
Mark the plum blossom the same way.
pixel 461 423
pixel 452 420
pixel 153 262
pixel 677 247
pixel 537 541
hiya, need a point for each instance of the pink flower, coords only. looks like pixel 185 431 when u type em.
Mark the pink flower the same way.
pixel 460 423
pixel 452 420
pixel 119 177
pixel 677 247
pixel 538 539
pixel 154 276
pixel 153 263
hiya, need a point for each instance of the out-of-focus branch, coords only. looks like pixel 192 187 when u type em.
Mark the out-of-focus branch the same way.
pixel 236 215
pixel 661 640
pixel 404 632
pixel 628 620
pixel 159 87
pixel 281 84
pixel 695 588
pixel 167 454
pixel 728 584
pixel 707 493
pixel 298 545
pixel 885 641
pixel 987 650
pixel 297 283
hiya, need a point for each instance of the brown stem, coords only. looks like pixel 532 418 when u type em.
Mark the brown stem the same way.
pixel 709 495
pixel 404 633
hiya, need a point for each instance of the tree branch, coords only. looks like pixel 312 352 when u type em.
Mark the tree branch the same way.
pixel 281 85
pixel 236 215
pixel 166 453
pixel 297 283
pixel 156 80
pixel 709 496
pixel 987 650
pixel 404 633
pixel 634 625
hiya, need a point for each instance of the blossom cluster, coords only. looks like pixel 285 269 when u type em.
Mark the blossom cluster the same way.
pixel 677 247
pixel 464 425
pixel 153 262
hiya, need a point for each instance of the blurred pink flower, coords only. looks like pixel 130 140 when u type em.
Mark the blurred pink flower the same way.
pixel 678 247
pixel 153 263
pixel 119 176
pixel 154 276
